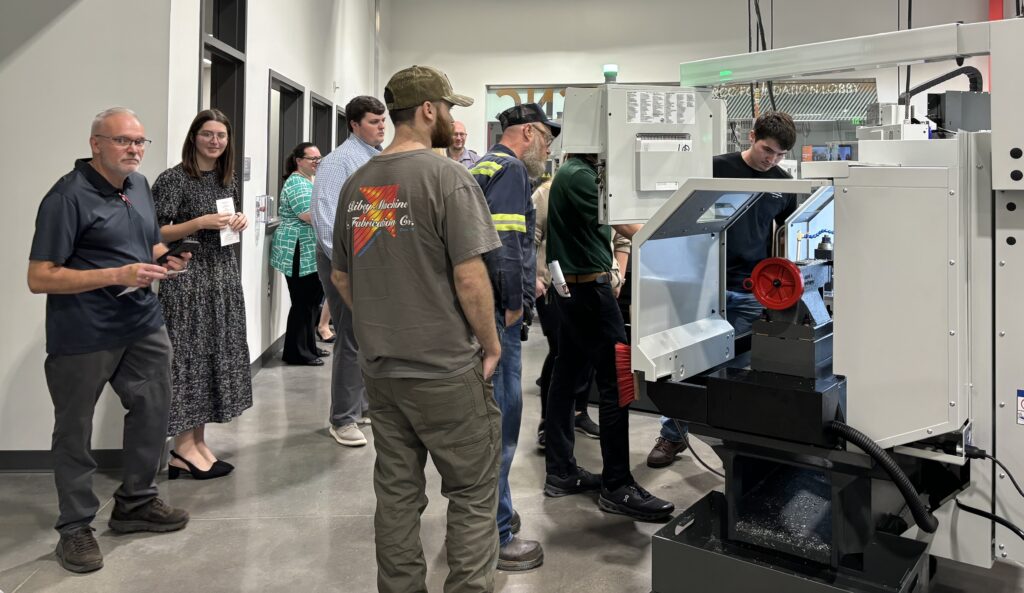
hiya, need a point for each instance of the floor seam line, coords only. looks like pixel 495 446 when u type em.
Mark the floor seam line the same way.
pixel 34 573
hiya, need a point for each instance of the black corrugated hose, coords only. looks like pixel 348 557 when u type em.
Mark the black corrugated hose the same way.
pixel 924 519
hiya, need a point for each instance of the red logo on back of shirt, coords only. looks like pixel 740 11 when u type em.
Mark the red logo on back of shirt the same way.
pixel 378 214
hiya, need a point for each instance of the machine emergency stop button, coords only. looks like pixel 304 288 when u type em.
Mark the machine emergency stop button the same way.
pixel 776 283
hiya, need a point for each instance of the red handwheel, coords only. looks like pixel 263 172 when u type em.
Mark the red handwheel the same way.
pixel 776 283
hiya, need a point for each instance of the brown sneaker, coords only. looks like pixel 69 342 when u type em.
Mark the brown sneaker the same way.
pixel 664 453
pixel 78 551
pixel 156 515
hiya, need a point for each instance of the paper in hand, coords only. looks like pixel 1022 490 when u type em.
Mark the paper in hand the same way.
pixel 227 236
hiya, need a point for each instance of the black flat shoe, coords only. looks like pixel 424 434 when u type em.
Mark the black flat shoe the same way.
pixel 215 471
pixel 329 340
pixel 323 353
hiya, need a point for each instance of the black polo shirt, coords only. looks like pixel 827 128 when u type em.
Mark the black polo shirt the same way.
pixel 84 223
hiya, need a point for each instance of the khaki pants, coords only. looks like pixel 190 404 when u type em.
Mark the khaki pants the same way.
pixel 458 423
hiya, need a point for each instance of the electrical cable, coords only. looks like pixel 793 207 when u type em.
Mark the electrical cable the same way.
pixel 1008 474
pixel 972 452
pixel 764 45
pixel 750 49
pixel 1005 523
pixel 750 29
pixel 910 9
pixel 732 132
pixel 922 517
pixel 686 439
pixel 975 81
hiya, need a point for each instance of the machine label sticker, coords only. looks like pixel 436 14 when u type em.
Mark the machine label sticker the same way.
pixel 1020 406
pixel 660 107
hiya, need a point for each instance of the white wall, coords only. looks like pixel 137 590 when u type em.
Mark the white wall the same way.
pixel 62 62
pixel 567 42
pixel 326 46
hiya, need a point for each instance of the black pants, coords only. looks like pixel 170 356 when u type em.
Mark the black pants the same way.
pixel 304 315
pixel 551 324
pixel 591 326
pixel 140 374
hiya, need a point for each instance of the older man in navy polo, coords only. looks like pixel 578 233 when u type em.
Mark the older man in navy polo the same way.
pixel 94 255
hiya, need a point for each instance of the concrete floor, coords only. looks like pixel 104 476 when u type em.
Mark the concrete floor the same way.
pixel 297 514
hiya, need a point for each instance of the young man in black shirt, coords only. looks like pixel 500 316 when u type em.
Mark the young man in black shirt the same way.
pixel 748 240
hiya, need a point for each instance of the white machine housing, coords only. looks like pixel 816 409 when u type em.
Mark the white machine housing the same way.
pixel 928 272
pixel 678 324
pixel 649 141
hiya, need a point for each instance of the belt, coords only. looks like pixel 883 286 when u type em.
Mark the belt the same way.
pixel 599 277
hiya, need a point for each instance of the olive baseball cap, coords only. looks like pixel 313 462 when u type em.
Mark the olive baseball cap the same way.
pixel 416 84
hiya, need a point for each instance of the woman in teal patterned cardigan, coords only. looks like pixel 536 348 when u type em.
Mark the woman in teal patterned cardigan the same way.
pixel 293 253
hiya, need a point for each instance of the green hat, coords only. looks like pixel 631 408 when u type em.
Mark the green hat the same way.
pixel 416 84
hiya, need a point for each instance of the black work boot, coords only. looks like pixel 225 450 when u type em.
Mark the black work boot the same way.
pixel 78 551
pixel 155 515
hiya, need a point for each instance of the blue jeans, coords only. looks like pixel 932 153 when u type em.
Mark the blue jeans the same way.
pixel 508 392
pixel 669 432
pixel 741 310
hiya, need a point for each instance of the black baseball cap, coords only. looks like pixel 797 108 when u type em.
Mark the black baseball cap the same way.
pixel 527 113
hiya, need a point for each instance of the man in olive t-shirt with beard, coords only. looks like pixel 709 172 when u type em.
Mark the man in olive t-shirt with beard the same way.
pixel 411 228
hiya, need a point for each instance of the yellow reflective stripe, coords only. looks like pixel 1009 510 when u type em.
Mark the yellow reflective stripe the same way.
pixel 509 222
pixel 509 218
pixel 485 168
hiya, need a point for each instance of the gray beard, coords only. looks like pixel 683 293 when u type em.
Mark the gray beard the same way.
pixel 534 160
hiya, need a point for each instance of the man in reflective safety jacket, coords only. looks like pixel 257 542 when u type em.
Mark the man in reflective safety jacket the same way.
pixel 504 174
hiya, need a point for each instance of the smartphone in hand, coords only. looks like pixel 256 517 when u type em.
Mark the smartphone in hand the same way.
pixel 177 248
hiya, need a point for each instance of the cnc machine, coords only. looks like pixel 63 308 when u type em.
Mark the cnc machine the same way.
pixel 857 432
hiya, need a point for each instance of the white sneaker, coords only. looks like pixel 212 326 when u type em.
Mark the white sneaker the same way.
pixel 364 421
pixel 348 435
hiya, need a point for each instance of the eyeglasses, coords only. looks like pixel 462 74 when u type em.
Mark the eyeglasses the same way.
pixel 312 159
pixel 208 135
pixel 460 134
pixel 548 136
pixel 125 141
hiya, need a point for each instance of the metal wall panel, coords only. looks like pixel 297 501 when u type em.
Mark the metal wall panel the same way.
pixel 899 329
pixel 1009 322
